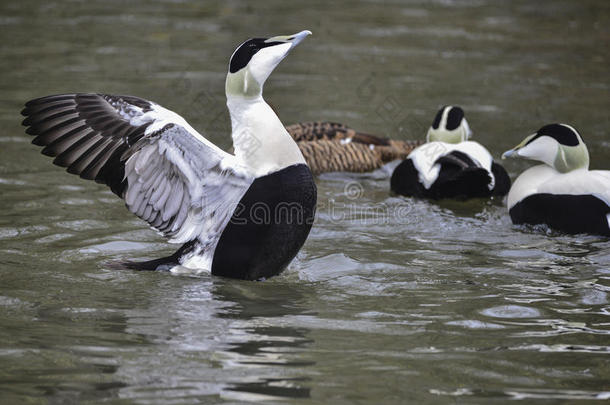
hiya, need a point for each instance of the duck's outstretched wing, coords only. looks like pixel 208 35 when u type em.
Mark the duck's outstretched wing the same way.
pixel 167 173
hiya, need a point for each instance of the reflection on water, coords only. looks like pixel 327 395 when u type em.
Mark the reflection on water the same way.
pixel 257 344
pixel 392 300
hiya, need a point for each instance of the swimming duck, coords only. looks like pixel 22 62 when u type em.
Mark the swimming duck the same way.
pixel 242 216
pixel 334 147
pixel 562 193
pixel 448 165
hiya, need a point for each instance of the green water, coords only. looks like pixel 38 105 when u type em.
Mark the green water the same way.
pixel 391 300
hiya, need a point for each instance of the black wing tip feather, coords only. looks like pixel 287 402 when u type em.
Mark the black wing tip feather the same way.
pixel 29 111
pixel 52 97
pixel 64 124
pixel 35 102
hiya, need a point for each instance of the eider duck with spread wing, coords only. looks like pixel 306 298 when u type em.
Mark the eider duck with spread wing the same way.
pixel 561 193
pixel 242 216
pixel 448 165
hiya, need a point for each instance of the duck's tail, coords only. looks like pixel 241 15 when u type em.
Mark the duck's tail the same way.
pixel 162 264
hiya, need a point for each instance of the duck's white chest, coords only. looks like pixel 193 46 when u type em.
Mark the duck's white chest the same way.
pixel 260 140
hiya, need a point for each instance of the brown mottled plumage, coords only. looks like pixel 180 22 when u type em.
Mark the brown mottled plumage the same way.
pixel 313 131
pixel 333 147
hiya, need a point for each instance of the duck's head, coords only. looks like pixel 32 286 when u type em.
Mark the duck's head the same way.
pixel 558 145
pixel 254 60
pixel 449 126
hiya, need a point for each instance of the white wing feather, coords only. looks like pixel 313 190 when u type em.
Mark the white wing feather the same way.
pixel 168 174
pixel 194 188
pixel 425 156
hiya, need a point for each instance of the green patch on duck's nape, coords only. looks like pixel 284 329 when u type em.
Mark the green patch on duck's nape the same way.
pixel 571 158
pixel 449 126
pixel 572 152
pixel 442 135
pixel 242 83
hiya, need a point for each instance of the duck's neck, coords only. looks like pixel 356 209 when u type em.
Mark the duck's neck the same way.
pixel 259 138
pixel 570 158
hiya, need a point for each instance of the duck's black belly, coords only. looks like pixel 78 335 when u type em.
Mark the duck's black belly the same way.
pixel 568 213
pixel 269 226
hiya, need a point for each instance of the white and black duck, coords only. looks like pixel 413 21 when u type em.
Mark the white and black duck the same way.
pixel 448 165
pixel 561 193
pixel 242 216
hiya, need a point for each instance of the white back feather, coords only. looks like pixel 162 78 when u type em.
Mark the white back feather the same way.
pixel 424 156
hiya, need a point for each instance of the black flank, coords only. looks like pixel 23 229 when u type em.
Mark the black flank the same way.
pixel 567 213
pixel 269 226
